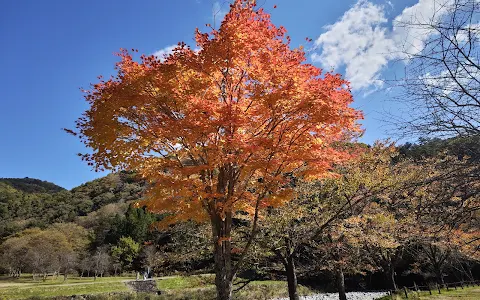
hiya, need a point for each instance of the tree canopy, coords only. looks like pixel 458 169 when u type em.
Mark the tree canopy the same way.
pixel 214 131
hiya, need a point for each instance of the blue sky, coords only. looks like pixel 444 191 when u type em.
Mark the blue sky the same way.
pixel 50 49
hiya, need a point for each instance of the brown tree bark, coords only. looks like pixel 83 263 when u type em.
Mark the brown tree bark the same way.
pixel 221 229
pixel 221 222
pixel 439 275
pixel 291 278
pixel 392 278
pixel 341 284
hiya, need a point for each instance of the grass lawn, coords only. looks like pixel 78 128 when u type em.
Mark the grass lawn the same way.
pixel 26 279
pixel 467 293
pixel 184 282
pixel 25 287
pixel 470 293
pixel 172 287
pixel 203 287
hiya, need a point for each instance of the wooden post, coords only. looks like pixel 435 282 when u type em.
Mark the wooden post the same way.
pixel 405 290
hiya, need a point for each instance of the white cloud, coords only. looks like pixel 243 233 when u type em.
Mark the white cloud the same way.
pixel 362 42
pixel 359 42
pixel 162 53
pixel 412 38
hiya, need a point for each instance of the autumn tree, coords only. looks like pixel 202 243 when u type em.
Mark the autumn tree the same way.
pixel 387 223
pixel 44 250
pixel 77 239
pixel 383 237
pixel 321 207
pixel 340 251
pixel 282 234
pixel 77 236
pixel 214 131
pixel 437 212
pixel 343 208
pixel 13 253
pixel 454 202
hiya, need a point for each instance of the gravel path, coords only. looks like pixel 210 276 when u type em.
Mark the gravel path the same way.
pixel 350 296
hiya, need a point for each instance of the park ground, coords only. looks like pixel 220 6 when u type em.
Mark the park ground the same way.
pixel 175 287
pixel 172 287
pixel 467 293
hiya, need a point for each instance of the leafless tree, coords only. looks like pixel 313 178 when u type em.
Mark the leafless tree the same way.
pixel 85 265
pixel 149 256
pixel 441 87
pixel 101 262
pixel 68 260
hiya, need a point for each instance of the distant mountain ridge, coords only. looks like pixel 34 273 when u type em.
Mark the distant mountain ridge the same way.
pixel 32 185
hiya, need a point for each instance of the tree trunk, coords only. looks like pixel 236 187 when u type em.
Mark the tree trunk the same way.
pixel 392 278
pixel 65 276
pixel 221 229
pixel 341 285
pixel 470 275
pixel 439 275
pixel 291 278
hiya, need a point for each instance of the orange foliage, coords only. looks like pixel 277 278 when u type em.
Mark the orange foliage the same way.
pixel 215 130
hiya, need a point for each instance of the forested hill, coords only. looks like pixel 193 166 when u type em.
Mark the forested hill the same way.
pixel 27 202
pixel 456 146
pixel 31 185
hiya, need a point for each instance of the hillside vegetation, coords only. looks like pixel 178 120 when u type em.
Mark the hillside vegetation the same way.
pixel 27 202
